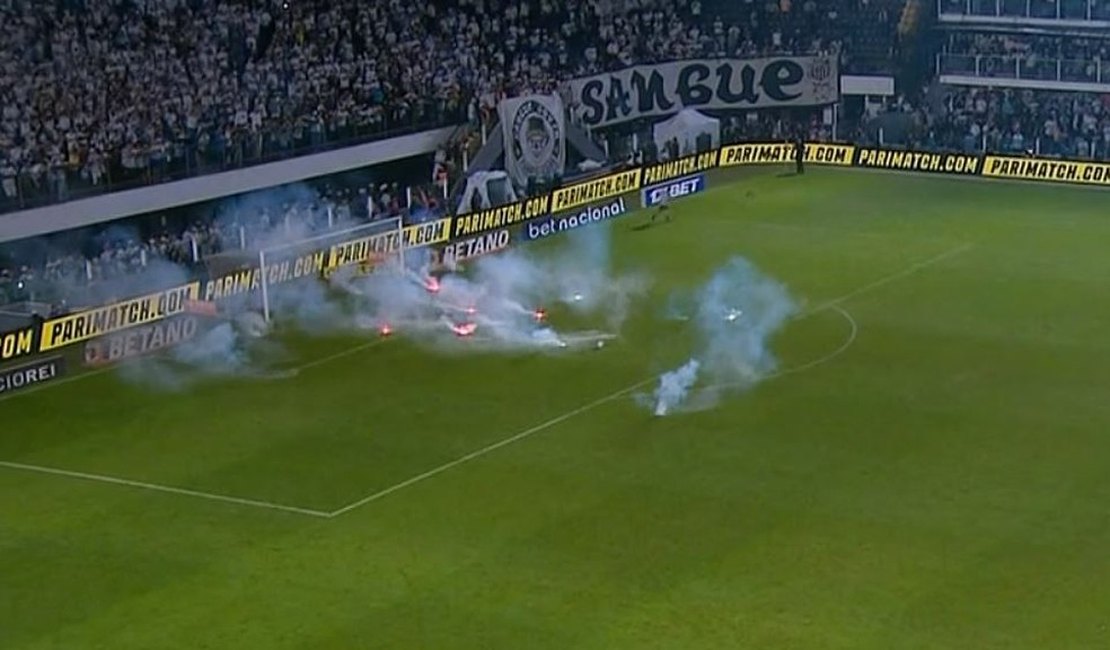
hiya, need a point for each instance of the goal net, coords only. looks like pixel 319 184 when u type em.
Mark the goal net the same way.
pixel 350 251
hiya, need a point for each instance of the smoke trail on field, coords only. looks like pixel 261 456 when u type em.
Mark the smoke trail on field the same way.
pixel 674 385
pixel 504 298
pixel 222 349
pixel 497 303
pixel 230 347
pixel 735 314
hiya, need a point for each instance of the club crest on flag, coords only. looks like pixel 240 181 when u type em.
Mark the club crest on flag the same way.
pixel 535 139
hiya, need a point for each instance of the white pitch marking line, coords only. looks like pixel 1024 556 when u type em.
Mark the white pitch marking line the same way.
pixel 165 488
pixel 793 370
pixel 853 333
pixel 909 270
pixel 182 491
pixel 831 304
pixel 492 447
pixel 338 355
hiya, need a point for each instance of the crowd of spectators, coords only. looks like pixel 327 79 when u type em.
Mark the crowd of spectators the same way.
pixel 1021 121
pixel 114 92
pixel 1028 45
pixel 118 91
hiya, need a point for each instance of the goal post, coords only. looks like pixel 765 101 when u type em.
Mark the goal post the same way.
pixel 328 252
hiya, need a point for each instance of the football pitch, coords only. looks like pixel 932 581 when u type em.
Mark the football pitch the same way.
pixel 929 467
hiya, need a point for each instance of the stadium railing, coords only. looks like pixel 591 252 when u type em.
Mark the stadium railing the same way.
pixel 1034 9
pixel 1023 67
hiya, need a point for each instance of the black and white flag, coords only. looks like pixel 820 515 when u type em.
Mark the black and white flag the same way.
pixel 534 132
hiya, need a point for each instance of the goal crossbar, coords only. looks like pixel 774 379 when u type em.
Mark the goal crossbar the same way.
pixel 322 243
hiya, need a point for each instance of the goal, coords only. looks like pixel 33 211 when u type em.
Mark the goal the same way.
pixel 361 248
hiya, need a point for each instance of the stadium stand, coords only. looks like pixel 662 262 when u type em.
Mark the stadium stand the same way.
pixel 100 95
pixel 1029 78
pixel 105 95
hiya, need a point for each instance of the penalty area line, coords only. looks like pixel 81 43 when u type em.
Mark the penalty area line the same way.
pixel 491 447
pixel 337 356
pixel 154 487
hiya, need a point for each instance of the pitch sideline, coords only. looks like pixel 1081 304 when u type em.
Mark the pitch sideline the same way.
pixel 210 496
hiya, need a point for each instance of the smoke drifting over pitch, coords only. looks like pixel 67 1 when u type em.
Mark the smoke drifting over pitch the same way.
pixel 499 303
pixel 734 315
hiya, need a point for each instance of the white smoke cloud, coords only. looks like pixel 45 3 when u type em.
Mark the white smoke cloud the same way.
pixel 674 385
pixel 533 298
pixel 735 315
pixel 506 298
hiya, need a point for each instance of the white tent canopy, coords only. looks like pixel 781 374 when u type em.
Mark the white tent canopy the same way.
pixel 685 127
pixel 485 189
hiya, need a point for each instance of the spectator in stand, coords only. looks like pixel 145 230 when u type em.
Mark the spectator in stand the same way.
pixel 1022 121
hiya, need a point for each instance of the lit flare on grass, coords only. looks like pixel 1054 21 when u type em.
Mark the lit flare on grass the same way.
pixel 464 329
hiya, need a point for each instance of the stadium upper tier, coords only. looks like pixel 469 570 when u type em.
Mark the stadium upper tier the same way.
pixel 1039 10
pixel 1030 57
pixel 99 96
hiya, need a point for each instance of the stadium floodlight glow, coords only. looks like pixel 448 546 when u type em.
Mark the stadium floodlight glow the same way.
pixel 277 263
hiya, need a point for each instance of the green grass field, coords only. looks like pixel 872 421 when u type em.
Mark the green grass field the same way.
pixel 931 470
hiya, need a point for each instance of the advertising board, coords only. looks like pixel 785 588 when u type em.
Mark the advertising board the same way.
pixel 676 189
